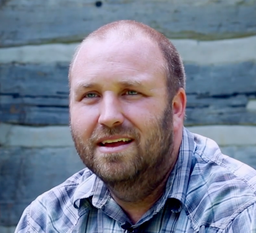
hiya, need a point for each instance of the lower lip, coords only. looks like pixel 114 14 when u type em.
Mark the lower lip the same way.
pixel 113 149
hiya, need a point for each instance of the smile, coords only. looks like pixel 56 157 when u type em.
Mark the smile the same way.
pixel 115 142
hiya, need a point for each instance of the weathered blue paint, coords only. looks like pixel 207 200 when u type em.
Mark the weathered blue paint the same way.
pixel 27 172
pixel 69 21
pixel 38 94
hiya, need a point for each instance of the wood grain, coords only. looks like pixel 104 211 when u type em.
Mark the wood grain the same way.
pixel 68 21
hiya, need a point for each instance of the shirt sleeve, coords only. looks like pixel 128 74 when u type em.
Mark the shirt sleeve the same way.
pixel 24 222
pixel 34 219
pixel 47 214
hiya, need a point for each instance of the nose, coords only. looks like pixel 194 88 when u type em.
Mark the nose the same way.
pixel 110 111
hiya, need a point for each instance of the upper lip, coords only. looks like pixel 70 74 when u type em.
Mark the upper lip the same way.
pixel 112 139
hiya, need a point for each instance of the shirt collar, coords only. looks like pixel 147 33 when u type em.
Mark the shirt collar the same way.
pixel 91 188
pixel 178 182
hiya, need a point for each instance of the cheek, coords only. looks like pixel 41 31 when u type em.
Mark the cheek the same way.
pixel 83 121
pixel 144 114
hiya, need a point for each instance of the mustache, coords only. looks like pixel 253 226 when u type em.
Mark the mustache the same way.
pixel 104 131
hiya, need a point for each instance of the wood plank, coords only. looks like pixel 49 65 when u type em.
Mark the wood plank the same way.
pixel 24 174
pixel 199 101
pixel 192 51
pixel 219 116
pixel 39 94
pixel 194 116
pixel 34 115
pixel 50 80
pixel 221 80
pixel 68 21
pixel 37 80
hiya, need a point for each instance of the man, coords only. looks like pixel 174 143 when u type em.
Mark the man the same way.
pixel 144 171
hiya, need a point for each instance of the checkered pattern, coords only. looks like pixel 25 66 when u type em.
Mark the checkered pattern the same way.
pixel 206 192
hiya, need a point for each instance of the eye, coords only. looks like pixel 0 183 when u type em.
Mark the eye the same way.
pixel 131 92
pixel 91 95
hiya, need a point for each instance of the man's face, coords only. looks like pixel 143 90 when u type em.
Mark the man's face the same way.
pixel 120 119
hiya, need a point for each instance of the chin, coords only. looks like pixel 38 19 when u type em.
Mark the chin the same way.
pixel 114 171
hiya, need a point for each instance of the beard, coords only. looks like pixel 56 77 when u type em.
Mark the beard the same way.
pixel 135 172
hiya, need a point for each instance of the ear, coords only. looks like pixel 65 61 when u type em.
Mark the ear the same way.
pixel 178 109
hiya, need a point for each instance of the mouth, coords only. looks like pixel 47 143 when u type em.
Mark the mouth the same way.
pixel 115 142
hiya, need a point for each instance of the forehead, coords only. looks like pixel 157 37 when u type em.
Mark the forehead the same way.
pixel 114 46
pixel 117 56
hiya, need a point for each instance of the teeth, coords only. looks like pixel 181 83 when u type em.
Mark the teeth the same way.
pixel 116 140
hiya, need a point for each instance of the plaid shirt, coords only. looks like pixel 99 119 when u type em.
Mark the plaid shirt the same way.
pixel 206 192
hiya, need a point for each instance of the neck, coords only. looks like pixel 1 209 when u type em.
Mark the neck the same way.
pixel 137 199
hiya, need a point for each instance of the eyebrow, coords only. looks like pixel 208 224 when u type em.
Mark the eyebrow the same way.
pixel 131 83
pixel 124 83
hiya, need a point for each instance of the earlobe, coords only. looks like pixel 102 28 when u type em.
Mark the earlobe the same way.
pixel 178 108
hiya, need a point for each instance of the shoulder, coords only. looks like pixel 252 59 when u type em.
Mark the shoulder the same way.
pixel 55 208
pixel 220 187
pixel 245 221
pixel 215 165
pixel 64 193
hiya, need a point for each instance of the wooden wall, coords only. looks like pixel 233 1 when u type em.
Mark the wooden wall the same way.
pixel 216 39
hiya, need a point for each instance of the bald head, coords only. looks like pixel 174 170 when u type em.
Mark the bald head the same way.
pixel 132 30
